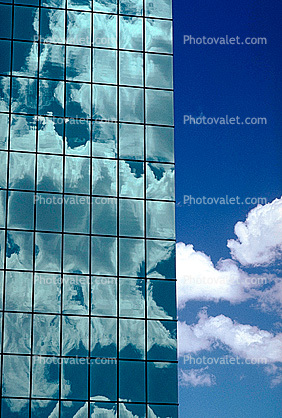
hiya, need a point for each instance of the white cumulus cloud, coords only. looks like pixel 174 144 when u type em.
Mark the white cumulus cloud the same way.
pixel 196 377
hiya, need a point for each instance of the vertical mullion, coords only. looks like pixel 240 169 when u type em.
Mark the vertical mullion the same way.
pixel 118 197
pixel 145 205
pixel 34 214
pixel 62 211
pixel 90 207
pixel 7 200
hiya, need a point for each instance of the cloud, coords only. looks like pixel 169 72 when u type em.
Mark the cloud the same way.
pixel 196 377
pixel 199 279
pixel 259 239
pixel 275 372
pixel 245 341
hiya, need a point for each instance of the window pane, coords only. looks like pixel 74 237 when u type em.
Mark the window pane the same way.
pixel 18 291
pixel 50 135
pixel 4 127
pixel 46 334
pixel 48 214
pixel 77 137
pixel 79 28
pixel 159 36
pixel 104 66
pixel 131 68
pixel 22 171
pixel 109 6
pixel 132 392
pixel 161 259
pixel 161 299
pixel 160 181
pixel 162 382
pixel 104 296
pixel 52 59
pixel 45 378
pixel 21 210
pixel 104 139
pixel 132 298
pixel 17 333
pixel 23 133
pixel 80 4
pixel 159 144
pixel 105 31
pixel 16 371
pixel 131 102
pixel 104 256
pixel 25 23
pixel 78 63
pixel 25 59
pixel 159 71
pixel 52 25
pixel 131 33
pixel 78 100
pixel 75 333
pixel 105 103
pixel 48 252
pixel 131 141
pixel 159 8
pixel 76 295
pixel 131 257
pixel 160 220
pixel 163 411
pixel 161 339
pixel 49 174
pixel 76 254
pixel 47 293
pixel 131 220
pixel 104 177
pixel 132 339
pixel 103 383
pixel 103 337
pixel 129 7
pixel 104 216
pixel 25 95
pixel 131 179
pixel 159 107
pixel 19 249
pixel 77 173
pixel 76 214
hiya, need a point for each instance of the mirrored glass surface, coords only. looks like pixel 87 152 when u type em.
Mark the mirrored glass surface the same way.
pixel 3 195
pixel 160 181
pixel 103 337
pixel 17 333
pixel 70 409
pixel 104 181
pixel 4 94
pixel 3 170
pixel 137 410
pixel 105 31
pixel 159 107
pixel 47 293
pixel 78 100
pixel 131 339
pixel 104 139
pixel 132 298
pixel 105 103
pixel 46 334
pixel 76 295
pixel 19 249
pixel 5 51
pixel 159 8
pixel 160 220
pixel 52 24
pixel 72 386
pixel 103 384
pixel 128 391
pixel 104 296
pixel 2 248
pixel 49 176
pixel 159 36
pixel 26 21
pixel 6 13
pixel 50 135
pixel 131 220
pixel 47 252
pixel 107 409
pixel 40 408
pixel 161 340
pixel 51 98
pixel 25 59
pixel 161 299
pixel 77 214
pixel 104 216
pixel 131 179
pixel 131 33
pixel 104 66
pixel 52 59
pixel 161 259
pixel 163 411
pixel 23 133
pixel 131 102
pixel 80 4
pixel 45 378
pixel 131 141
pixel 21 210
pixel 1 290
pixel 108 6
pixel 79 28
pixel 18 291
pixel 162 382
pixel 14 408
pixel 76 254
pixel 77 136
pixel 77 175
pixel 4 127
pixel 16 372
pixel 75 334
pixel 21 171
pixel 131 68
pixel 48 215
pixel 159 71
pixel 131 257
pixel 159 144
pixel 104 256
pixel 78 63
pixel 131 7
pixel 24 97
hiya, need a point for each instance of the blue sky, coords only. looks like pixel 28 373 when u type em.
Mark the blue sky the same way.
pixel 234 160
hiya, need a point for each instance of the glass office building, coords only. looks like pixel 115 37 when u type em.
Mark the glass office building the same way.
pixel 87 236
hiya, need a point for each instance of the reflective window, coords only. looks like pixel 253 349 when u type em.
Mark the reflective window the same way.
pixel 103 337
pixel 162 382
pixel 161 299
pixel 160 181
pixel 128 391
pixel 131 141
pixel 159 71
pixel 131 257
pixel 76 254
pixel 25 59
pixel 47 293
pixel 104 216
pixel 109 6
pixel 159 107
pixel 52 25
pixel 160 220
pixel 104 256
pixel 104 182
pixel 131 179
pixel 131 33
pixel 131 102
pixel 21 210
pixel 159 8
pixel 48 252
pixel 104 296
pixel 132 298
pixel 131 68
pixel 26 23
pixel 131 221
pixel 159 144
pixel 23 133
pixel 162 343
pixel 131 339
pixel 105 31
pixel 76 294
pixel 105 103
pixel 79 28
pixel 161 259
pixel 78 63
pixel 104 139
pixel 52 58
pixel 159 36
pixel 104 66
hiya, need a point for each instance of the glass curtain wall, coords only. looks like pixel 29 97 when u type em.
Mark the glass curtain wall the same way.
pixel 87 234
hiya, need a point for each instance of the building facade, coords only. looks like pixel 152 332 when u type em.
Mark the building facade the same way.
pixel 87 230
